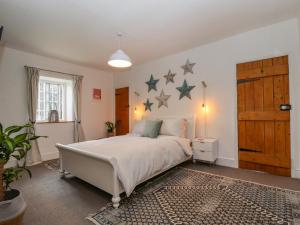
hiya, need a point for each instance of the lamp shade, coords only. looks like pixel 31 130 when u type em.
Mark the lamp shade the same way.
pixel 119 59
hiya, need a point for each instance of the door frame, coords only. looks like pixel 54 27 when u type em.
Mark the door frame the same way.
pixel 293 68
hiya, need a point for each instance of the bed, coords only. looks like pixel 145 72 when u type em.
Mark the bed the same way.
pixel 119 164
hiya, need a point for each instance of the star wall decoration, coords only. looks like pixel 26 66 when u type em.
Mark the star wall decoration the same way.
pixel 152 83
pixel 188 67
pixel 185 90
pixel 169 77
pixel 148 105
pixel 162 99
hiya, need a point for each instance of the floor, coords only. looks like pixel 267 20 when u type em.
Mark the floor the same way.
pixel 55 201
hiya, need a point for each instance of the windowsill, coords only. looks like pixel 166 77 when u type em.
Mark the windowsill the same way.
pixel 47 122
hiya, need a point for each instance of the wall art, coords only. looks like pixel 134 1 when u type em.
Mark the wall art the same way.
pixel 185 90
pixel 169 77
pixel 162 99
pixel 188 67
pixel 148 105
pixel 152 83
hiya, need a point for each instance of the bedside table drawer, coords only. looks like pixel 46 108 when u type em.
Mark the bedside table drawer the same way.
pixel 207 146
pixel 204 155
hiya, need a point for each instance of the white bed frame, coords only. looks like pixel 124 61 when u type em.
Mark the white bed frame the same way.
pixel 99 171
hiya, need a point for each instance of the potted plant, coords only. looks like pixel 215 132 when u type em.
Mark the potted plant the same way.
pixel 15 142
pixel 110 128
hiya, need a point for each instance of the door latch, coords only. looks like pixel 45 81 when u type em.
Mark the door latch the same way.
pixel 285 107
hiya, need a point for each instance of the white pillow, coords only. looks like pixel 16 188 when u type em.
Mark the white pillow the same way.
pixel 139 127
pixel 174 127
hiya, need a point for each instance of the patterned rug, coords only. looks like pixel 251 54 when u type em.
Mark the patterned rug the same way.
pixel 185 196
pixel 52 164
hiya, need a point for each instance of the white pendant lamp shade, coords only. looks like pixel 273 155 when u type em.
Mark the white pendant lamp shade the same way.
pixel 119 59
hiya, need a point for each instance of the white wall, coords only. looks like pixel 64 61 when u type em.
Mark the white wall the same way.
pixel 216 65
pixel 13 108
pixel 295 112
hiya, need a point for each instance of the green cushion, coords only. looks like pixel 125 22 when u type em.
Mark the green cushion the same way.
pixel 152 128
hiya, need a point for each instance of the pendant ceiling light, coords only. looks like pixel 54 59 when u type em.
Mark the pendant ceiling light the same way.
pixel 119 59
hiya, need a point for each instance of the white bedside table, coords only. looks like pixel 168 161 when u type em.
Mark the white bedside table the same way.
pixel 205 149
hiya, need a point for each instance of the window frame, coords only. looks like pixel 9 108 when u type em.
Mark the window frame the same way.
pixel 55 80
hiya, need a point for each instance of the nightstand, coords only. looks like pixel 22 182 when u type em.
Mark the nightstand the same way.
pixel 205 149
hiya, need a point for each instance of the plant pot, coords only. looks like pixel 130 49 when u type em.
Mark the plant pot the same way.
pixel 110 134
pixel 12 208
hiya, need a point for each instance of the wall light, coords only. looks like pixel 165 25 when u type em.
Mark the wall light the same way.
pixel 204 107
pixel 136 111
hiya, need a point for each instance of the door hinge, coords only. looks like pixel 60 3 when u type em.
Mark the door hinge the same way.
pixel 248 150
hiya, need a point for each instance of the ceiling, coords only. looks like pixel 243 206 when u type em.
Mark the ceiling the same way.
pixel 84 31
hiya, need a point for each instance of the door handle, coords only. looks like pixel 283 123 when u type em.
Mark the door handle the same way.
pixel 285 107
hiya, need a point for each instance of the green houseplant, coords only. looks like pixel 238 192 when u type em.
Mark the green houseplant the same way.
pixel 110 128
pixel 15 142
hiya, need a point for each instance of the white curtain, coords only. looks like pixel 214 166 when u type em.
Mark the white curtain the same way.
pixel 77 91
pixel 32 81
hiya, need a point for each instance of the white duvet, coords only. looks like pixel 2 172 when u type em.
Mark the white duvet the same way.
pixel 137 158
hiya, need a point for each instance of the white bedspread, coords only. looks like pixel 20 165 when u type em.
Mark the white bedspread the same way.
pixel 137 158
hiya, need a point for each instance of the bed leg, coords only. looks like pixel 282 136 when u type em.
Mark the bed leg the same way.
pixel 116 193
pixel 62 173
pixel 116 201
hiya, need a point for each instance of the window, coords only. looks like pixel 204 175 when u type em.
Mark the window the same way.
pixel 55 94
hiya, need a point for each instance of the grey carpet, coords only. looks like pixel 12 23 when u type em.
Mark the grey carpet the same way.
pixel 55 201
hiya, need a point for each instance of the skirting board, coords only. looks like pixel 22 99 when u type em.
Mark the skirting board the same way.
pixel 45 157
pixel 296 173
pixel 229 162
pixel 50 155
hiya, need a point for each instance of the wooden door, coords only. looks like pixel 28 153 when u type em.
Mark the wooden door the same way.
pixel 122 110
pixel 263 128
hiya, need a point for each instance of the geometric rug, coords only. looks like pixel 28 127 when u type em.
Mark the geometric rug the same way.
pixel 185 196
pixel 53 164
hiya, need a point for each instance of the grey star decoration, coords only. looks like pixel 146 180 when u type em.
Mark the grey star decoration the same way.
pixel 148 105
pixel 152 83
pixel 169 77
pixel 162 99
pixel 185 90
pixel 188 67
